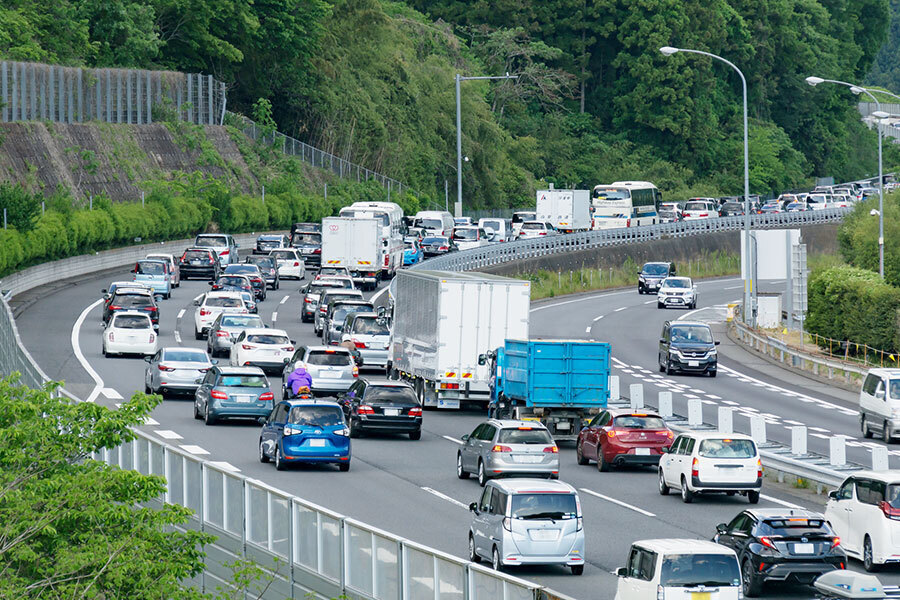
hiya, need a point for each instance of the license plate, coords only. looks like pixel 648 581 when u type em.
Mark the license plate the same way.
pixel 529 459
pixel 244 398
pixel 306 250
pixel 330 375
pixel 317 443
pixel 701 595
pixel 196 262
pixel 642 451
pixel 392 412
pixel 804 549
pixel 693 363
pixel 543 535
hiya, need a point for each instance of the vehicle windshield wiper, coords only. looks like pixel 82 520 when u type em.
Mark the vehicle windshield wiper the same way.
pixel 545 515
pixel 699 583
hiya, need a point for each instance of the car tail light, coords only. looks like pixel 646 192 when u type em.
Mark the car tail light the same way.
pixel 114 307
pixel 256 280
pixel 355 371
pixel 359 344
pixel 670 435
pixel 296 263
pixel 112 336
pixel 889 511
pixel 165 368
pixel 628 223
pixel 551 450
pixel 543 233
pixel 246 346
pixel 287 348
pixel 317 251
pixel 500 448
pixel 308 300
pixel 507 523
pixel 695 468
pixel 579 523
pixel 219 395
pixel 835 542
pixel 365 409
pixel 611 433
pixel 204 312
pixel 767 542
pixel 225 253
pixel 444 248
pixel 221 333
pixel 152 338
pixel 449 386
pixel 703 215
pixel 758 468
pixel 416 411
pixel 267 396
pixel 387 260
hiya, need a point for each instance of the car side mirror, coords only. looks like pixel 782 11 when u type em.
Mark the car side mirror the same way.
pixel 721 527
pixel 198 380
pixel 833 494
pixel 662 340
pixel 716 342
pixel 197 302
pixel 465 437
pixel 294 342
pixel 482 360
pixel 104 292
pixel 622 572
pixel 148 358
pixel 262 420
pixel 214 361
pixel 211 282
pixel 286 360
pixel 879 394
pixel 473 507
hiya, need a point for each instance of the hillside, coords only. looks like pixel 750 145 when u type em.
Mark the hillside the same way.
pixel 886 68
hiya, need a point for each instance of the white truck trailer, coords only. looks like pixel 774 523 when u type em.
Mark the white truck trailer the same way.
pixel 443 321
pixel 567 210
pixel 355 243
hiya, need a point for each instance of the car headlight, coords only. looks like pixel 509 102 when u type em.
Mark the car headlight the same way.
pixel 345 432
pixel 714 353
pixel 640 278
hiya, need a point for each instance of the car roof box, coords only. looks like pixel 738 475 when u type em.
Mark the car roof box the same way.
pixel 847 584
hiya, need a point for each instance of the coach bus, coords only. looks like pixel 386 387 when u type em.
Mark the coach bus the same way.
pixel 624 204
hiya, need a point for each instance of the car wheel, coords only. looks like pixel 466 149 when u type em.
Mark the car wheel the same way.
pixel 354 429
pixel 344 467
pixel 602 465
pixel 577 569
pixel 495 560
pixel 663 488
pixel 279 461
pixel 869 556
pixel 473 555
pixel 669 369
pixel 864 425
pixel 662 366
pixel 415 435
pixel 461 473
pixel 660 305
pixel 196 412
pixel 198 335
pixel 262 453
pixel 208 418
pixel 687 496
pixel 712 373
pixel 751 584
pixel 753 496
pixel 886 433
pixel 482 475
pixel 579 455
pixel 147 389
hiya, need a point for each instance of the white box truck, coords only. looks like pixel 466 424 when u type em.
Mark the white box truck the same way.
pixel 443 321
pixel 354 243
pixel 567 210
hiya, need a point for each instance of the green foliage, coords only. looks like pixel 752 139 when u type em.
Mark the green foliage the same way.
pixel 262 115
pixel 885 70
pixel 858 237
pixel 21 206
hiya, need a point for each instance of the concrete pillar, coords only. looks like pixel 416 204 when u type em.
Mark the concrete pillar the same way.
pixel 798 440
pixel 879 458
pixel 726 419
pixel 695 412
pixel 837 451
pixel 613 388
pixel 665 404
pixel 758 429
pixel 636 393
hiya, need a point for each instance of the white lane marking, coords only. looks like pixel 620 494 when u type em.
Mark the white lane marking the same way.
pixel 180 314
pixel 729 402
pixel 587 329
pixel 274 316
pixel 821 436
pixel 583 298
pixel 224 466
pixel 167 434
pixel 285 299
pixel 150 421
pixel 383 290
pixel 696 391
pixel 709 402
pixel 781 502
pixel 801 397
pixel 598 318
pixel 452 439
pixel 714 397
pixel 619 502
pixel 620 309
pixel 789 422
pixel 76 348
pixel 649 301
pixel 118 405
pixel 734 287
pixel 193 449
pixel 692 396
pixel 177 336
pixel 111 394
pixel 445 497
pixel 820 429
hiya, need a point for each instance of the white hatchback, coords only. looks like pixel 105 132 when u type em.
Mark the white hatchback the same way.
pixel 865 513
pixel 211 305
pixel 262 347
pixel 290 263
pixel 711 462
pixel 130 332
pixel 677 291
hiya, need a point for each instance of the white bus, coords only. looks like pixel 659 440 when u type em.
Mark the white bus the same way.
pixel 624 204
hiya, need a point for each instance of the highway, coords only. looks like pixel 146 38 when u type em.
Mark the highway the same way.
pixel 409 487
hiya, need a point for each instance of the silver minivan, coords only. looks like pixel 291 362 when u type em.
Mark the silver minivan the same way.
pixel 502 448
pixel 224 245
pixel 528 522
pixel 370 335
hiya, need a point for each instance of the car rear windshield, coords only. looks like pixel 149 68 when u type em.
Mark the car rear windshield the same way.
pixel 268 338
pixel 656 269
pixel 696 334
pixel 544 506
pixel 522 217
pixel 793 526
pixel 283 255
pixel 696 206
pixel 197 255
pixel 329 297
pixel 638 422
pixel 184 356
pixel 326 271
pixel 732 206
pixel 317 416
pixel 307 238
pixel 328 358
pixel 250 381
pixel 150 268
pixel 691 570
pixel 224 302
pixel 262 261
pixel 131 300
pixel 391 393
pixel 524 435
pixel 241 321
pixel 242 269
pixel 431 224
pixel 215 241
pixel 727 448
pixel 339 314
pixel 370 326
pixel 495 225
pixel 237 280
pixel 131 322
pixel 437 241
pixel 465 234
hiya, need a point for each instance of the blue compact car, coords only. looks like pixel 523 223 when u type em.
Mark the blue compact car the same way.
pixel 412 252
pixel 305 431
pixel 155 274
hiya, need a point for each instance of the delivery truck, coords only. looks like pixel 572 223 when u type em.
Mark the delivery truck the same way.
pixel 443 322
pixel 561 383
pixel 355 243
pixel 567 211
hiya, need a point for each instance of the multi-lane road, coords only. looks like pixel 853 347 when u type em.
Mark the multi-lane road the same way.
pixel 409 487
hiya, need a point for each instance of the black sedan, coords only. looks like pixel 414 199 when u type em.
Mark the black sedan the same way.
pixel 269 269
pixel 382 407
pixel 437 245
pixel 731 209
pixel 199 262
pixel 251 272
pixel 774 544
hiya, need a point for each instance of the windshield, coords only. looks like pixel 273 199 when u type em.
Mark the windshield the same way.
pixel 316 287
pixel 495 225
pixel 431 223
pixel 793 526
pixel 224 302
pixel 396 394
pixel 242 269
pixel 328 358
pixel 150 268
pixel 672 282
pixel 250 381
pixel 268 338
pixel 815 199
pixel 269 238
pixel 216 241
pixel 652 269
pixel 691 333
pixel 691 570
pixel 132 300
pixel 236 281
pixel 326 271
pixel 435 241
pixel 131 322
pixel 638 422
pixel 307 238
pixel 696 206
pixel 329 297
pixel 266 262
pixel 370 326
pixel 283 255
pixel 732 206
pixel 544 506
pixel 532 226
pixel 340 313
pixel 521 217
pixel 317 416
pixel 611 194
pixel 727 449
pixel 185 356
pixel 524 435
pixel 465 234
pixel 197 255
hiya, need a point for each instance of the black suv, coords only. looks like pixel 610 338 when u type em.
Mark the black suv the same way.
pixel 731 209
pixel 309 243
pixel 132 299
pixel 269 269
pixel 268 242
pixel 254 274
pixel 651 275
pixel 199 262
pixel 774 544
pixel 688 347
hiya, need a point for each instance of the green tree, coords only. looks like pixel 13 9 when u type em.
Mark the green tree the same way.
pixel 123 32
pixel 21 206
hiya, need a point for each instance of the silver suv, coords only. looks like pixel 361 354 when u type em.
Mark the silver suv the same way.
pixel 370 335
pixel 327 296
pixel 506 447
pixel 336 313
pixel 332 368
pixel 226 329
pixel 528 522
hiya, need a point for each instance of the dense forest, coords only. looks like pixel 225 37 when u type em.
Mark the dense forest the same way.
pixel 595 100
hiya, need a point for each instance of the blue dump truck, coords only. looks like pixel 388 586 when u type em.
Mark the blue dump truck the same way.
pixel 561 383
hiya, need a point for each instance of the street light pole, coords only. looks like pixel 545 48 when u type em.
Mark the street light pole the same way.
pixel 457 210
pixel 750 273
pixel 814 81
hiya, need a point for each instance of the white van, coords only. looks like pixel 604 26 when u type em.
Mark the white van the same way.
pixel 879 404
pixel 502 228
pixel 674 568
pixel 435 222
pixel 520 217
pixel 711 462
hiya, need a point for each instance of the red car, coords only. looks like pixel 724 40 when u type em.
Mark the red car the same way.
pixel 619 437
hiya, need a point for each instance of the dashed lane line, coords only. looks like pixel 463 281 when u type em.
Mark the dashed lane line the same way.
pixel 598 318
pixel 274 316
pixel 285 299
pixel 225 466
pixel 619 502
pixel 180 313
pixel 167 434
pixel 780 501
pixel 111 394
pixel 445 497
pixel 452 439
